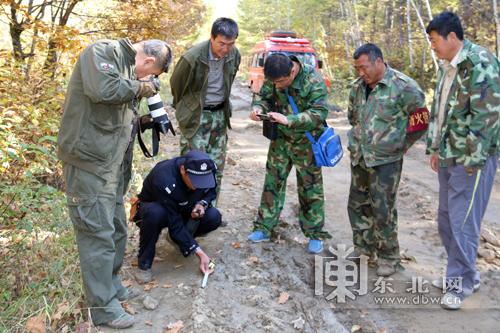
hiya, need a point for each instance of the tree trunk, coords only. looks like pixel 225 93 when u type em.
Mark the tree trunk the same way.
pixel 436 66
pixel 497 28
pixel 429 11
pixel 61 14
pixel 16 29
pixel 408 22
pixel 374 19
pixel 401 19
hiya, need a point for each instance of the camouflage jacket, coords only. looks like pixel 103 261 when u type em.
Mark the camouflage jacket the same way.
pixel 471 129
pixel 379 122
pixel 309 94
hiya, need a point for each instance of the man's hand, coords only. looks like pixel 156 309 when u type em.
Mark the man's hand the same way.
pixel 146 89
pixel 204 260
pixel 278 118
pixel 146 122
pixel 198 211
pixel 254 113
pixel 434 162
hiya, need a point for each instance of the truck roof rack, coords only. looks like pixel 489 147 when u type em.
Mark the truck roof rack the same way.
pixel 283 34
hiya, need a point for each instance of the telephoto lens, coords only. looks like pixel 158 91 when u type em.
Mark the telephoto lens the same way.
pixel 157 111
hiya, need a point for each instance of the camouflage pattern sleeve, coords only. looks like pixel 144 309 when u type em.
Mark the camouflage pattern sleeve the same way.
pixel 483 129
pixel 313 109
pixel 351 115
pixel 265 97
pixel 412 98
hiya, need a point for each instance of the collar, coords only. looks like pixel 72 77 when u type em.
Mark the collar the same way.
pixel 458 58
pixel 297 82
pixel 210 54
pixel 387 78
pixel 128 49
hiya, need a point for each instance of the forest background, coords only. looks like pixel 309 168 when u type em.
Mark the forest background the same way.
pixel 39 44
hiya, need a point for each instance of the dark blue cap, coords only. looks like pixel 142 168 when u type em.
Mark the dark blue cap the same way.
pixel 200 169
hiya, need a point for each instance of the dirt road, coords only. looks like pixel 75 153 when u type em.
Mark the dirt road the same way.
pixel 270 287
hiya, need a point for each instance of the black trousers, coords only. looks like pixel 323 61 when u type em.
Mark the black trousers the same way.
pixel 155 217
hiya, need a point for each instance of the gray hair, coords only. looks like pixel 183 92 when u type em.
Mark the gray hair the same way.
pixel 154 48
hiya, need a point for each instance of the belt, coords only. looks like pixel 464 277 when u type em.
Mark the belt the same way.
pixel 216 107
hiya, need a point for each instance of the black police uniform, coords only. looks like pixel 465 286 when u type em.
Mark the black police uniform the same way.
pixel 166 202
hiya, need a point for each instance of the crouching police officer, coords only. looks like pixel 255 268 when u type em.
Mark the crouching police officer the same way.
pixel 177 195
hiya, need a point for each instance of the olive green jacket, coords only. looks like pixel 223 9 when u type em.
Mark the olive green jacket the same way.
pixel 96 124
pixel 189 86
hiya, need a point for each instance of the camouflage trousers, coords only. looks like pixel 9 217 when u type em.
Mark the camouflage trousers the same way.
pixel 372 209
pixel 211 138
pixel 281 156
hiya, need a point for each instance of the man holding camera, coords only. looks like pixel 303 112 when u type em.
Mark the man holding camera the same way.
pixel 177 195
pixel 94 145
pixel 287 76
pixel 201 85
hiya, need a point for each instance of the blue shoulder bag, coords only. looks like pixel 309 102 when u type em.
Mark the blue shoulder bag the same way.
pixel 327 149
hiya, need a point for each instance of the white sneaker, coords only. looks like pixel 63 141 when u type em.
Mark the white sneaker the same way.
pixel 450 301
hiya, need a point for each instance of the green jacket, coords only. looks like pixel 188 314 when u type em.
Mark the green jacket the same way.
pixel 309 94
pixel 378 132
pixel 471 129
pixel 189 86
pixel 96 123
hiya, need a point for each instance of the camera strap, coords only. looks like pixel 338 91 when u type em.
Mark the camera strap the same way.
pixel 138 129
pixel 155 138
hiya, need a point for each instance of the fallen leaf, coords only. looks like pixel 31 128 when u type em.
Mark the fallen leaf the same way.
pixel 36 324
pixel 355 328
pixel 127 283
pixel 284 296
pixel 61 309
pixel 236 245
pixel 134 264
pixel 129 308
pixel 150 285
pixel 174 327
pixel 167 285
pixel 253 259
pixel 148 323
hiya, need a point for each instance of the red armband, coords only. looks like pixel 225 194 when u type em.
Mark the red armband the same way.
pixel 418 120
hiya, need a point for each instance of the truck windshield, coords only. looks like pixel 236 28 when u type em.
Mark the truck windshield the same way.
pixel 306 58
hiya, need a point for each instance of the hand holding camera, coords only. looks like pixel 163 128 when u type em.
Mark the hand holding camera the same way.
pixel 146 89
